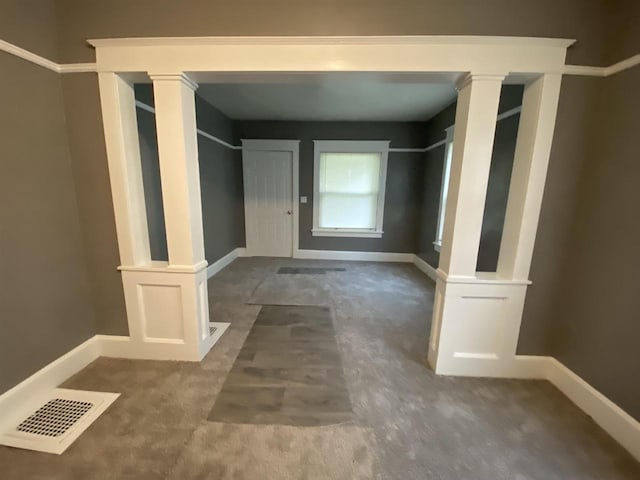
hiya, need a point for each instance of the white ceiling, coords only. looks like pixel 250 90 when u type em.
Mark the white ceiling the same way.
pixel 335 97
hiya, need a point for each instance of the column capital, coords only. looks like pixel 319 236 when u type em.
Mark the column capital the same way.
pixel 479 77
pixel 174 77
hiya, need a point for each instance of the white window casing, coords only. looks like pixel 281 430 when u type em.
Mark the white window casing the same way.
pixel 349 188
pixel 444 189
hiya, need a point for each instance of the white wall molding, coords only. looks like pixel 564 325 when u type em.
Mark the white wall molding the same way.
pixel 501 116
pixel 218 140
pixel 427 269
pixel 150 109
pixel 616 422
pixel 77 67
pixel 219 264
pixel 589 71
pixel 622 65
pixel 45 62
pixel 354 256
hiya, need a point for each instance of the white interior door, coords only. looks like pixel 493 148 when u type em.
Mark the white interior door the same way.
pixel 268 202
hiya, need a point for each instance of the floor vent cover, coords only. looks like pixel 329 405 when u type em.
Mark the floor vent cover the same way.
pixel 56 420
pixel 216 329
pixel 55 417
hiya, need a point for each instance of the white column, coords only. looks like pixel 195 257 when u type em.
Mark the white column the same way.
pixel 476 115
pixel 167 303
pixel 125 171
pixel 179 171
pixel 477 316
pixel 537 120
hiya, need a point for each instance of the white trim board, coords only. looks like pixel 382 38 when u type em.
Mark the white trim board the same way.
pixel 150 109
pixel 354 256
pixel 610 417
pixel 588 71
pixel 427 269
pixel 219 264
pixel 45 62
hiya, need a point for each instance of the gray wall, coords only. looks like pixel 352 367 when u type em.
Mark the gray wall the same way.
pixel 497 188
pixel 590 322
pixel 403 195
pixel 579 19
pixel 45 297
pixel 583 305
pixel 78 20
pixel 93 193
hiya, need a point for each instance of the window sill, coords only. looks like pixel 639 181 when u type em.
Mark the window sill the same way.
pixel 437 246
pixel 320 232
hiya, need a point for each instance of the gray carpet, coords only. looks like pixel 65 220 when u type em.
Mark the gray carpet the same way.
pixel 288 372
pixel 407 422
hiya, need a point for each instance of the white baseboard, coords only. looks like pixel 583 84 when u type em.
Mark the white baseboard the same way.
pixel 427 269
pixel 616 422
pixel 29 392
pixel 218 265
pixel 356 256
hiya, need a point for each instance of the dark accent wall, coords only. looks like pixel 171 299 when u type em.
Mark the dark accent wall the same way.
pixel 403 195
pixel 220 184
pixel 589 318
pixel 150 163
pixel 220 180
pixel 497 189
pixel 46 308
pixel 495 207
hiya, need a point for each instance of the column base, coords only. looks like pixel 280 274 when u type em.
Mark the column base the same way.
pixel 168 312
pixel 475 327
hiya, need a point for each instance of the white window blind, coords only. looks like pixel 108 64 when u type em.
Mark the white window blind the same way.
pixel 348 190
pixel 349 182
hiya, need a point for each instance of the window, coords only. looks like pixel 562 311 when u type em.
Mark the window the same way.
pixel 444 190
pixel 349 182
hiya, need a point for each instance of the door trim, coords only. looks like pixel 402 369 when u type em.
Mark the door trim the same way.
pixel 292 146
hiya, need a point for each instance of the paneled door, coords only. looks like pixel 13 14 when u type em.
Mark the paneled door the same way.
pixel 268 202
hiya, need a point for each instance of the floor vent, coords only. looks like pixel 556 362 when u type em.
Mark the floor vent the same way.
pixel 216 329
pixel 58 420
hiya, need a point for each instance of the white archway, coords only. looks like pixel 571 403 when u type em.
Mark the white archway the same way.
pixel 477 316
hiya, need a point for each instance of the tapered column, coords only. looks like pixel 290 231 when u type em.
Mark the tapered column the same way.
pixel 179 172
pixel 125 171
pixel 537 120
pixel 476 115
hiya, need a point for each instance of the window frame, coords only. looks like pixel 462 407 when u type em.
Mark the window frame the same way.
pixel 444 187
pixel 350 146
